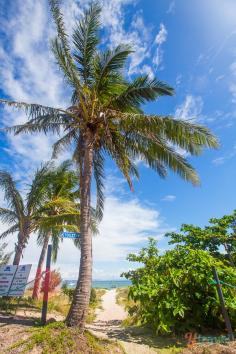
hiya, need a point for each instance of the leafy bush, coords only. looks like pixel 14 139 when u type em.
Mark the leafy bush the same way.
pixel 55 281
pixel 174 291
pixel 93 296
pixel 70 293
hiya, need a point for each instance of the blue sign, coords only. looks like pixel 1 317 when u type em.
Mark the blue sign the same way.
pixel 73 235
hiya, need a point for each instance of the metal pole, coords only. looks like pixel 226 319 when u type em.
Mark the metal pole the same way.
pixel 222 303
pixel 46 286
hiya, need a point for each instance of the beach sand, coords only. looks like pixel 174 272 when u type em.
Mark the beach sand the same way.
pixel 108 326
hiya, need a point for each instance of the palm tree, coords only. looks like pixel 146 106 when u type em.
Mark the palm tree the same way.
pixel 19 213
pixel 60 211
pixel 105 118
pixel 4 257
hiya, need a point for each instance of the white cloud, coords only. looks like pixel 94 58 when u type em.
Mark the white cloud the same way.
pixel 190 109
pixel 178 79
pixel 126 224
pixel 171 8
pixel 160 39
pixel 219 78
pixel 219 161
pixel 169 198
pixel 232 86
pixel 161 36
pixel 29 74
pixel 147 70
pixel 137 35
pixel 222 159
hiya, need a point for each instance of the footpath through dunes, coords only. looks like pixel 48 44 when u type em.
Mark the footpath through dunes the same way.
pixel 107 325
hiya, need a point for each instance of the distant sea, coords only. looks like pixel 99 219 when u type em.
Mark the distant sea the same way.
pixel 102 284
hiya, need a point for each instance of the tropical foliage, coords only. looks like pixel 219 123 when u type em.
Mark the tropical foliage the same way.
pixel 174 292
pixel 19 213
pixel 4 257
pixel 49 206
pixel 59 211
pixel 218 238
pixel 105 118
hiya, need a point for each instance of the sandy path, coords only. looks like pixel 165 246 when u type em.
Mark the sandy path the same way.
pixel 110 311
pixel 108 325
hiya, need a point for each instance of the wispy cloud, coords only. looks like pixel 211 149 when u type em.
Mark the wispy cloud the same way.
pixel 171 8
pixel 232 86
pixel 160 39
pixel 138 35
pixel 222 159
pixel 169 198
pixel 190 109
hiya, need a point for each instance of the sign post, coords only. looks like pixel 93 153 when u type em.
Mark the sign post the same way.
pixel 67 234
pixel 46 285
pixel 222 303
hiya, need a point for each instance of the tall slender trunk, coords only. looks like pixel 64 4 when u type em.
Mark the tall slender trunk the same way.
pixel 37 281
pixel 19 249
pixel 79 307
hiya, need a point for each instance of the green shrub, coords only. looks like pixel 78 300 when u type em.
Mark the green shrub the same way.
pixel 174 291
pixel 93 296
pixel 70 293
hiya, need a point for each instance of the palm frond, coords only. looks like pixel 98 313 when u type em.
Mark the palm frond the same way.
pixel 61 47
pixel 99 175
pixel 141 90
pixel 64 143
pixel 188 136
pixel 110 64
pixel 158 154
pixel 67 67
pixel 11 194
pixel 7 216
pixel 33 110
pixel 117 149
pixel 10 231
pixel 39 187
pixel 85 38
pixel 58 19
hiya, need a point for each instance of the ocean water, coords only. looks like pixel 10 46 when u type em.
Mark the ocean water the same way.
pixel 102 284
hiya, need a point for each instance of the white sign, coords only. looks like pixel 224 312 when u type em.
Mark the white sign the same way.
pixel 7 273
pixel 20 280
pixel 13 279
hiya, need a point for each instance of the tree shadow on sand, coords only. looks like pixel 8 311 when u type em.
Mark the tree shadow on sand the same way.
pixel 9 319
pixel 139 335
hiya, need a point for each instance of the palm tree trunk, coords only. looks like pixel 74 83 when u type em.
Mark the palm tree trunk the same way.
pixel 19 249
pixel 79 307
pixel 36 289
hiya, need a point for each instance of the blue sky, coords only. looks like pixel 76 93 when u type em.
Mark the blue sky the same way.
pixel 189 44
